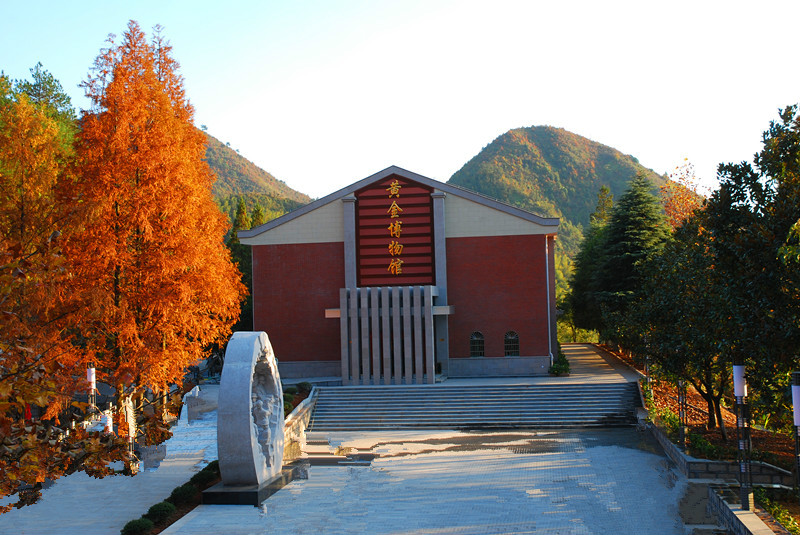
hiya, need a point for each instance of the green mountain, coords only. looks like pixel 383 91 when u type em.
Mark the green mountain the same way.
pixel 239 177
pixel 551 172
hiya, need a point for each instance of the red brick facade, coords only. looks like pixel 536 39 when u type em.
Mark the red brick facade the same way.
pixel 498 284
pixel 292 287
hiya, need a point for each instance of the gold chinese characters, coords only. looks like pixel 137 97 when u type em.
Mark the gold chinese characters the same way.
pixel 395 228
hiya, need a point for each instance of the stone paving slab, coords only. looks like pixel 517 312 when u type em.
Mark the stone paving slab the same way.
pixel 560 482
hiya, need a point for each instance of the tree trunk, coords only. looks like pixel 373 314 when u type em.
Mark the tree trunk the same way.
pixel 711 423
pixel 718 411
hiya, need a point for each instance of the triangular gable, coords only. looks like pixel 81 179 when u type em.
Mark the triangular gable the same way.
pixel 467 214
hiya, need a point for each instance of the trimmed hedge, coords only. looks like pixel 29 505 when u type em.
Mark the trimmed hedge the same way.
pixel 183 494
pixel 160 512
pixel 203 478
pixel 213 466
pixel 140 526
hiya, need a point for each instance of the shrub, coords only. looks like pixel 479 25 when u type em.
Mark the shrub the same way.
pixel 560 365
pixel 778 511
pixel 288 397
pixel 183 494
pixel 669 421
pixel 290 390
pixel 287 408
pixel 160 512
pixel 647 392
pixel 702 447
pixel 140 526
pixel 202 478
pixel 213 466
pixel 304 387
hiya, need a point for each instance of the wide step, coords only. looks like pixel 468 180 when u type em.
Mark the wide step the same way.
pixel 529 406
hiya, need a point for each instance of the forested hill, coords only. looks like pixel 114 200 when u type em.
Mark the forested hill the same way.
pixel 239 177
pixel 554 173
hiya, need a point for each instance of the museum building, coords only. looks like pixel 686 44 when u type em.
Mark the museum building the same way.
pixel 398 277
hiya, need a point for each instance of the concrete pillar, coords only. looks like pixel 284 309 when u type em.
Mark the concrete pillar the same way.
pixel 350 275
pixel 375 331
pixel 408 352
pixel 442 336
pixel 344 334
pixel 363 314
pixel 418 345
pixel 550 267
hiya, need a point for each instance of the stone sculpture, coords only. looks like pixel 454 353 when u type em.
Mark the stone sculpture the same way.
pixel 250 412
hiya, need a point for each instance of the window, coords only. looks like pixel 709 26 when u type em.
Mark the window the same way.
pixel 511 344
pixel 476 344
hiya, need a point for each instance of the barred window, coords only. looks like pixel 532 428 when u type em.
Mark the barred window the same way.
pixel 511 344
pixel 476 344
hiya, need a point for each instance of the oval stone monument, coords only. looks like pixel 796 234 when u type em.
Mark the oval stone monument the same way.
pixel 250 413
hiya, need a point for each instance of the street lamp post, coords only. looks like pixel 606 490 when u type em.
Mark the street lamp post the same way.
pixel 796 410
pixel 743 436
pixel 682 409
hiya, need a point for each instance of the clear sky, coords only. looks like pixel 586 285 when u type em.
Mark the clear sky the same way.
pixel 324 93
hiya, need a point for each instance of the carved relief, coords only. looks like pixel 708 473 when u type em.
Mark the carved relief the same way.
pixel 250 415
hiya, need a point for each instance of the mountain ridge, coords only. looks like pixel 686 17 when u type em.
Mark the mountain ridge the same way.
pixel 553 173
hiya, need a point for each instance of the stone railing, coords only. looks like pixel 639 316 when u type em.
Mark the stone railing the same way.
pixel 294 430
pixel 763 474
pixel 723 503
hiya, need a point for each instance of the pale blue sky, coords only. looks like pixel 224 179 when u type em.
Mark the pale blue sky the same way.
pixel 322 94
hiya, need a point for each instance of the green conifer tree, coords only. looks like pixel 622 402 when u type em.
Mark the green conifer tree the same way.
pixel 636 231
pixel 259 217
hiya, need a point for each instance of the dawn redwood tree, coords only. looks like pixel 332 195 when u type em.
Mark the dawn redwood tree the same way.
pixel 149 268
pixel 40 369
pixel 680 195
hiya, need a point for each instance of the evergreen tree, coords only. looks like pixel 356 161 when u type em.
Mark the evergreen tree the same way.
pixel 259 217
pixel 636 231
pixel 750 218
pixel 241 256
pixel 240 222
pixel 582 299
pixel 605 203
pixel 677 316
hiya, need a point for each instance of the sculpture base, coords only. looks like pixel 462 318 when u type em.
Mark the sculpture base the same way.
pixel 221 494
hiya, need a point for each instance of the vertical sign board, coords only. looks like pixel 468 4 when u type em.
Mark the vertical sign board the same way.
pixel 394 221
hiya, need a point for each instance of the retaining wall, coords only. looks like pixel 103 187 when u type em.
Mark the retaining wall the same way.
pixel 763 474
pixel 294 432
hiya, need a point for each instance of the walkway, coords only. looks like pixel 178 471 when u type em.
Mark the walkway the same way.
pixel 587 365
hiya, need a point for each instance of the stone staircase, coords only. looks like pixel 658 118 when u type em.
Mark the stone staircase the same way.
pixel 362 408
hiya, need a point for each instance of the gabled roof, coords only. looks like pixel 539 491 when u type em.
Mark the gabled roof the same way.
pixel 395 170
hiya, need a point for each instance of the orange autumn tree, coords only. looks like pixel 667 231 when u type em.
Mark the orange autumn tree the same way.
pixel 149 268
pixel 681 195
pixel 40 369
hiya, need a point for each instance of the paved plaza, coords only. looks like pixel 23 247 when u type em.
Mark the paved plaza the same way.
pixel 517 481
pixel 561 482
